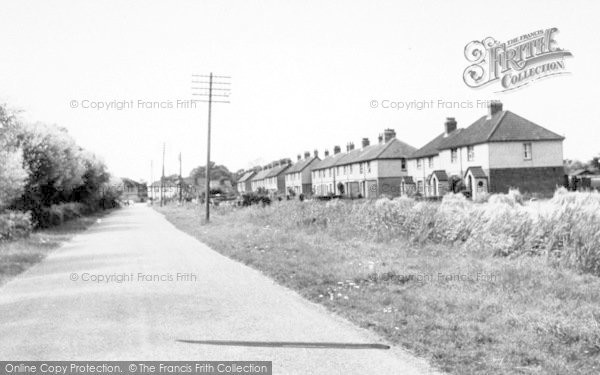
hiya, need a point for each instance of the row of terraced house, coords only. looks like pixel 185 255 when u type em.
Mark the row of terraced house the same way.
pixel 500 150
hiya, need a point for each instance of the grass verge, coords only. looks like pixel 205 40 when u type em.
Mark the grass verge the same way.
pixel 467 312
pixel 18 255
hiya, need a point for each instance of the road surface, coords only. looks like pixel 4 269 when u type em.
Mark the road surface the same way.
pixel 160 286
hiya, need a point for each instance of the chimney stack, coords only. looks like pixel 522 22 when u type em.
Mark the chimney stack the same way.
pixel 380 138
pixel 299 157
pixel 326 153
pixel 306 154
pixel 350 146
pixel 316 153
pixel 389 134
pixel 494 107
pixel 337 149
pixel 449 125
pixel 365 142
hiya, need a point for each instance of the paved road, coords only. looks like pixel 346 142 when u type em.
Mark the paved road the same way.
pixel 44 315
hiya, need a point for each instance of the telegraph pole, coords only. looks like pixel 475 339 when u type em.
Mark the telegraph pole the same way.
pixel 151 182
pixel 222 87
pixel 162 178
pixel 180 180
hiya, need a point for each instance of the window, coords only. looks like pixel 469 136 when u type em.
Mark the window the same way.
pixel 350 168
pixel 345 169
pixel 470 153
pixel 329 170
pixel 420 186
pixel 453 155
pixel 419 164
pixel 527 151
pixel 430 161
pixel 368 167
pixel 403 164
pixel 361 168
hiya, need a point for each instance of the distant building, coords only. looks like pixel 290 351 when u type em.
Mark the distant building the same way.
pixel 244 184
pixel 369 172
pixel 298 177
pixel 133 190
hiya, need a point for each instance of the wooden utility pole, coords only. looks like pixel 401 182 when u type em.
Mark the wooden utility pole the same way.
pixel 162 178
pixel 223 91
pixel 180 180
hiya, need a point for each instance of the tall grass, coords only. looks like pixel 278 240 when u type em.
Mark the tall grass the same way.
pixel 566 228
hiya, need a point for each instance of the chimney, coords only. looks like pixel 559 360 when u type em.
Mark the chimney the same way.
pixel 299 157
pixel 389 134
pixel 380 138
pixel 365 142
pixel 316 153
pixel 337 149
pixel 306 155
pixel 494 107
pixel 350 146
pixel 274 164
pixel 449 125
pixel 347 147
pixel 326 153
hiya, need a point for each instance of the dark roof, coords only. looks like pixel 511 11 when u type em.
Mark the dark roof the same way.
pixel 477 172
pixel 260 175
pixel 440 175
pixel 394 149
pixel 246 176
pixel 432 148
pixel 301 164
pixel 276 171
pixel 503 126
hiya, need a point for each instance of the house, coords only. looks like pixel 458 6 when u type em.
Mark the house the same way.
pixel 369 171
pixel 257 182
pixel 133 190
pixel 298 177
pixel 169 188
pixel 244 184
pixel 274 181
pixel 499 151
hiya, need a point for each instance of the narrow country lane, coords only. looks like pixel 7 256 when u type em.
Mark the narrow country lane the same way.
pixel 45 315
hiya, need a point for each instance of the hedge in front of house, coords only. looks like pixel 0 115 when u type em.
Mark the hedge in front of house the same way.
pixel 15 224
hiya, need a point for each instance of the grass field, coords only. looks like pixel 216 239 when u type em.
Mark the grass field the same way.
pixel 18 255
pixel 467 311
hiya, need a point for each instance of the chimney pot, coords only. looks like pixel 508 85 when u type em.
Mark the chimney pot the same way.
pixel 299 157
pixel 326 153
pixel 365 142
pixel 337 149
pixel 316 154
pixel 389 134
pixel 380 138
pixel 306 155
pixel 449 125
pixel 494 107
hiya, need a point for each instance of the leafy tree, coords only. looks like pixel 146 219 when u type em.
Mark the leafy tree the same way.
pixel 13 174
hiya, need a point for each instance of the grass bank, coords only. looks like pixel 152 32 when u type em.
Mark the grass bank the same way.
pixel 466 309
pixel 18 255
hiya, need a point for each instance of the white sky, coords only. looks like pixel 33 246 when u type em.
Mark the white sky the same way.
pixel 303 73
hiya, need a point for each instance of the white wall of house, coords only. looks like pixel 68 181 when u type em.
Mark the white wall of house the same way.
pixel 512 155
pixel 324 181
pixel 294 181
pixel 481 158
pixel 420 172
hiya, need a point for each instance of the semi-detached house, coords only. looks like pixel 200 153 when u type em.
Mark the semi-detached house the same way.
pixel 367 172
pixel 298 176
pixel 499 151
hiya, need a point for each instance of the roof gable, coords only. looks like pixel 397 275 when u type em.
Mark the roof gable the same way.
pixel 301 164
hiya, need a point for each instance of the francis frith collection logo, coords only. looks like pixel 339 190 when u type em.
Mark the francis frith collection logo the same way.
pixel 515 63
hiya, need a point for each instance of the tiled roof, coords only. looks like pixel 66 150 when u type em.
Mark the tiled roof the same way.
pixel 393 149
pixel 246 176
pixel 431 148
pixel 276 171
pixel 301 164
pixel 260 175
pixel 477 172
pixel 504 126
pixel 440 175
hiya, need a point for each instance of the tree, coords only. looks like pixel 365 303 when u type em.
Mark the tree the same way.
pixel 13 174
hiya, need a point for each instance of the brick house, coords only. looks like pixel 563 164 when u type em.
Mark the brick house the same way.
pixel 298 176
pixel 498 151
pixel 369 171
pixel 274 180
pixel 258 180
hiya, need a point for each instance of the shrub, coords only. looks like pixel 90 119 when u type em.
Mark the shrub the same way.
pixel 57 214
pixel 15 224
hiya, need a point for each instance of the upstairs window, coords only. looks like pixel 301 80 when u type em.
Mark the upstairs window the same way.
pixel 430 161
pixel 453 155
pixel 361 168
pixel 419 164
pixel 368 167
pixel 403 164
pixel 527 151
pixel 470 153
